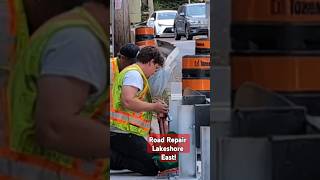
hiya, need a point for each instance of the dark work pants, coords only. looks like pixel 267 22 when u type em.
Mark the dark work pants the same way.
pixel 129 151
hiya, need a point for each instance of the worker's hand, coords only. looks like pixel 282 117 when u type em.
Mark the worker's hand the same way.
pixel 160 107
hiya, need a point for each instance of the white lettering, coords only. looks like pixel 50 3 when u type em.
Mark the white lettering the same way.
pixel 168 157
pixel 176 140
pixel 156 140
pixel 166 149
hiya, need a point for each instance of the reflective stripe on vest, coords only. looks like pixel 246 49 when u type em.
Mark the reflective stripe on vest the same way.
pixel 131 119
pixel 33 167
pixel 114 69
pixel 136 123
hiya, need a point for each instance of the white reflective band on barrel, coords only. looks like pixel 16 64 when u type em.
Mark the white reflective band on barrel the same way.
pixel 130 119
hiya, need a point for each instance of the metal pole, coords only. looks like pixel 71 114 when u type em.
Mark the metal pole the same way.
pixel 186 121
pixel 220 113
pixel 205 152
pixel 112 27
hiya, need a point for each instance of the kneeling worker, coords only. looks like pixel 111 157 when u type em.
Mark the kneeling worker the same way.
pixel 131 114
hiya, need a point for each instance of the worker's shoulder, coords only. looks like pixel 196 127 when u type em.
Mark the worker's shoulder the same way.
pixel 80 35
pixel 132 73
pixel 132 76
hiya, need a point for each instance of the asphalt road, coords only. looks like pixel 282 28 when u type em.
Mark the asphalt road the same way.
pixel 186 47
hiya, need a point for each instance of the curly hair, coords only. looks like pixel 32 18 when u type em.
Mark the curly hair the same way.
pixel 148 53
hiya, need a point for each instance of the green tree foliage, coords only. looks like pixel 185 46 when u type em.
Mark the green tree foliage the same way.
pixel 170 4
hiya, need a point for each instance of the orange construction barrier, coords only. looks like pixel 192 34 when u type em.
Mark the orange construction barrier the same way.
pixel 276 11
pixel 203 46
pixel 145 36
pixel 286 73
pixel 196 73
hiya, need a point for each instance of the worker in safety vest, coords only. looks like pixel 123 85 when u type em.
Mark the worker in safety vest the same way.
pixel 57 84
pixel 126 56
pixel 131 114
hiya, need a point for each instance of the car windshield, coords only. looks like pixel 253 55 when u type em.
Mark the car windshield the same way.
pixel 196 10
pixel 166 15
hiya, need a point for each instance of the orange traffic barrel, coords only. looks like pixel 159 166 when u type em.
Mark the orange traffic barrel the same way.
pixel 288 25
pixel 203 46
pixel 196 73
pixel 279 72
pixel 145 36
pixel 276 11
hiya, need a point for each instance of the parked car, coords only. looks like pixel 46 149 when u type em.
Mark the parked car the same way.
pixel 190 21
pixel 162 22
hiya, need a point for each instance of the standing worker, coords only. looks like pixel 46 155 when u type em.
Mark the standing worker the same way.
pixel 131 114
pixel 56 86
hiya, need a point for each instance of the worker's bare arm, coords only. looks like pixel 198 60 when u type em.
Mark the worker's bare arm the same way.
pixel 59 125
pixel 129 101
